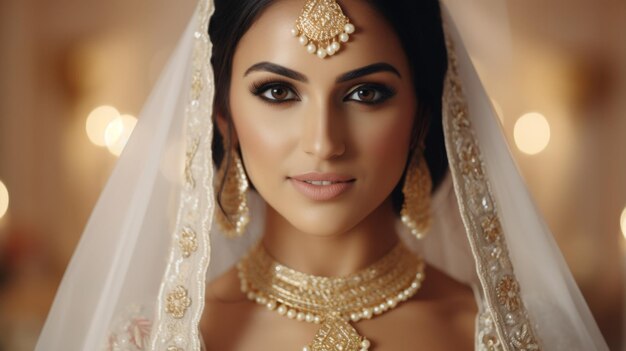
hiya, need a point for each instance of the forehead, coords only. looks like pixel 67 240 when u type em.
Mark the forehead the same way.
pixel 270 39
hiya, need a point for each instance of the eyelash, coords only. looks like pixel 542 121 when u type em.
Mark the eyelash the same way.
pixel 386 93
pixel 261 87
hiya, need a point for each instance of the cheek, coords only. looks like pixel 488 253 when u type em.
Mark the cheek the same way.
pixel 387 142
pixel 384 143
pixel 264 142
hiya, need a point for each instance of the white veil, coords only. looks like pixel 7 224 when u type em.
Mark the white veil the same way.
pixel 137 278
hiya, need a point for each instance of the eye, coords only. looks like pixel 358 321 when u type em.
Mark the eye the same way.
pixel 275 92
pixel 370 94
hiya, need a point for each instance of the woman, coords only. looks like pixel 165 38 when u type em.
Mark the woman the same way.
pixel 353 119
pixel 328 111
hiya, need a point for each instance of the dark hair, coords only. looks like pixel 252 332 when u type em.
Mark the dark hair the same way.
pixel 419 27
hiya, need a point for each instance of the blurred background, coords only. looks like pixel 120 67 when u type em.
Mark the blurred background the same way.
pixel 74 74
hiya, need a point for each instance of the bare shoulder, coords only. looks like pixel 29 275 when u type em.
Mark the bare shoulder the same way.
pixel 225 289
pixel 440 287
pixel 448 303
pixel 441 316
pixel 226 309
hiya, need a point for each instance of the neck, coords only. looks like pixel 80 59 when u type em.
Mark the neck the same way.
pixel 334 255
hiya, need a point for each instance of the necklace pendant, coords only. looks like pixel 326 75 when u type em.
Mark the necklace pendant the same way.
pixel 336 334
pixel 328 301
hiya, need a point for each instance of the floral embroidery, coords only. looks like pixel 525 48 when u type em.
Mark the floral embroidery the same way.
pixel 486 337
pixel 190 251
pixel 188 242
pixel 469 164
pixel 491 343
pixel 178 302
pixel 480 213
pixel 139 329
pixel 491 229
pixel 190 155
pixel 508 293
pixel 523 339
pixel 131 332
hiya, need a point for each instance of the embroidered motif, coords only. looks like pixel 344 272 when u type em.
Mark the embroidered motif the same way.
pixel 479 211
pixel 187 265
pixel 486 336
pixel 131 332
pixel 508 293
pixel 190 155
pixel 470 165
pixel 188 243
pixel 177 302
pixel 491 229
pixel 523 339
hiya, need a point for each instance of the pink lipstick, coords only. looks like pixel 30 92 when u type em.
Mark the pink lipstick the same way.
pixel 321 186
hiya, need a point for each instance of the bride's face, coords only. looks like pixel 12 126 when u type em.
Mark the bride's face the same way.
pixel 324 141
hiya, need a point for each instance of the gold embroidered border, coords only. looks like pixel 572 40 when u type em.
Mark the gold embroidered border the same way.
pixel 181 297
pixel 480 215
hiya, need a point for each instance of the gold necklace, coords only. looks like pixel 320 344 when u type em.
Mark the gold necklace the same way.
pixel 332 302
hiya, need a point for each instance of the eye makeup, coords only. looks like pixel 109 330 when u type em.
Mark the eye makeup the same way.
pixel 370 94
pixel 278 91
pixel 274 91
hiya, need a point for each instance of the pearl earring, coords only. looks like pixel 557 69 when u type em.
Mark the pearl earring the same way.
pixel 417 190
pixel 233 215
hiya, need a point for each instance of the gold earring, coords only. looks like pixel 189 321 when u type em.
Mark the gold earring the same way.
pixel 322 27
pixel 417 187
pixel 234 214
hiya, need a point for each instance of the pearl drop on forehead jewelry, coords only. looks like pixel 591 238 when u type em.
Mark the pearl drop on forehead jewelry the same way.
pixel 321 27
pixel 349 28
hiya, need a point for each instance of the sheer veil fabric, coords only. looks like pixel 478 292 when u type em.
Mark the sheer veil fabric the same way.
pixel 137 278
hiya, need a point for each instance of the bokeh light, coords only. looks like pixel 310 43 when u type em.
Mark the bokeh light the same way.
pixel 4 200
pixel 118 132
pixel 97 123
pixel 532 133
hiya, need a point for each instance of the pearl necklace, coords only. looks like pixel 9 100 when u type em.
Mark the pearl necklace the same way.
pixel 332 302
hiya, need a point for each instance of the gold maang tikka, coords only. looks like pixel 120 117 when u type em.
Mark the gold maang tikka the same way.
pixel 322 27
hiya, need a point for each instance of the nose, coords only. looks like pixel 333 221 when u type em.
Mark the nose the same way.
pixel 323 133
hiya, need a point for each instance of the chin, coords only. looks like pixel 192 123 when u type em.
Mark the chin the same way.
pixel 328 222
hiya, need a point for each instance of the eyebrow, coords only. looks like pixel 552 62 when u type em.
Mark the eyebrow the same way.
pixel 367 70
pixel 351 75
pixel 277 69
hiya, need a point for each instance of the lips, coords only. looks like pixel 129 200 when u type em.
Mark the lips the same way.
pixel 320 182
pixel 322 186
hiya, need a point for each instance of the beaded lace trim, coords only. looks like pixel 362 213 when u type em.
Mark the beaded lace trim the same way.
pixel 478 208
pixel 181 297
